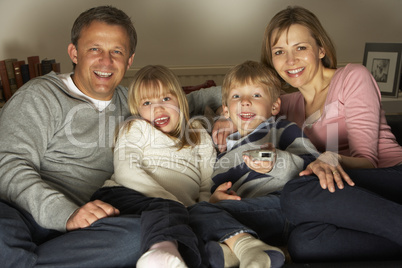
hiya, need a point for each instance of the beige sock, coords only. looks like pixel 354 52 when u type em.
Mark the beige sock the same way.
pixel 254 253
pixel 231 259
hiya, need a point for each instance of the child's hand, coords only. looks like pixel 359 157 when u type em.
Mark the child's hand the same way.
pixel 258 166
pixel 261 166
pixel 223 192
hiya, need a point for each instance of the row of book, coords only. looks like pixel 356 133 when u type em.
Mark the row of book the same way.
pixel 14 73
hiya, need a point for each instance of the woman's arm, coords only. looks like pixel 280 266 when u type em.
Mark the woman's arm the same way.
pixel 361 100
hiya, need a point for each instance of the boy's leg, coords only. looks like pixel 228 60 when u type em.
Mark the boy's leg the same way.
pixel 227 220
pixel 259 216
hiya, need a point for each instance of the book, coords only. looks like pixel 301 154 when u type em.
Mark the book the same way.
pixel 11 75
pixel 17 72
pixel 32 62
pixel 4 80
pixel 46 66
pixel 25 73
pixel 38 69
pixel 1 93
pixel 56 67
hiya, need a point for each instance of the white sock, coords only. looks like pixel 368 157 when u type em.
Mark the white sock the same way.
pixel 162 254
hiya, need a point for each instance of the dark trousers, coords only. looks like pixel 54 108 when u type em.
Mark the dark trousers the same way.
pixel 161 220
pixel 108 242
pixel 260 216
pixel 362 222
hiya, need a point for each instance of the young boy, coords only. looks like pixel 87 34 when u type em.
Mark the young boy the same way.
pixel 246 194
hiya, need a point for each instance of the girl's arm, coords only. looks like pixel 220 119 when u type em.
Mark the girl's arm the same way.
pixel 128 156
pixel 207 159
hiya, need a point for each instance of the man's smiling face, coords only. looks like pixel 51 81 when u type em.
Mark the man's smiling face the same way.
pixel 102 58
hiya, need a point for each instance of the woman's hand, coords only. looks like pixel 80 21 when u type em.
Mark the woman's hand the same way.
pixel 328 170
pixel 222 128
pixel 223 192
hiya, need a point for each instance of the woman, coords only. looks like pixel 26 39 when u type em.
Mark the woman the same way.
pixel 340 111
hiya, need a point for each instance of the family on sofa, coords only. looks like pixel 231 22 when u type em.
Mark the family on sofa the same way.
pixel 59 146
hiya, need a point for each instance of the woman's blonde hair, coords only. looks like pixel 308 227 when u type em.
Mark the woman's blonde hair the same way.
pixel 251 73
pixel 150 82
pixel 297 15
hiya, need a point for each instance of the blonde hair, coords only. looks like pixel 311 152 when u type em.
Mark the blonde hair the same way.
pixel 297 15
pixel 251 72
pixel 153 80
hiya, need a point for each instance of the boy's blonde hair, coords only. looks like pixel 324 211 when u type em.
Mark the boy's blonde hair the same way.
pixel 150 82
pixel 251 73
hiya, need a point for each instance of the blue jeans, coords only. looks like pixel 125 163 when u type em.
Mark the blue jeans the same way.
pixel 108 242
pixel 355 223
pixel 161 220
pixel 260 216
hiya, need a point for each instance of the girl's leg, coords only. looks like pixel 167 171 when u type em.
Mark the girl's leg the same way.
pixel 161 220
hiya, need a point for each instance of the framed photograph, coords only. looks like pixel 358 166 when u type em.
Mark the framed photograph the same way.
pixel 383 60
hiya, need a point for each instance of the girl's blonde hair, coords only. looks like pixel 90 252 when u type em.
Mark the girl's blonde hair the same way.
pixel 153 80
pixel 297 15
pixel 251 73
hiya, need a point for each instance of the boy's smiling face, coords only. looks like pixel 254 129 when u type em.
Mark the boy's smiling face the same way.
pixel 248 106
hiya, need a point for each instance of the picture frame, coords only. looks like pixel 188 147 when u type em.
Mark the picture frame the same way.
pixel 383 60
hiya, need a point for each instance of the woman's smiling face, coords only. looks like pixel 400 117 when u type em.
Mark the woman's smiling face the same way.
pixel 296 56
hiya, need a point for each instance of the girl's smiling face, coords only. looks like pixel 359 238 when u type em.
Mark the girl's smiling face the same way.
pixel 296 56
pixel 161 110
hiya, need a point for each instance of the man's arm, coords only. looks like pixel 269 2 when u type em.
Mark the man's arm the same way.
pixel 27 123
pixel 205 97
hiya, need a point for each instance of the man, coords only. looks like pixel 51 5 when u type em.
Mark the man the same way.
pixel 56 150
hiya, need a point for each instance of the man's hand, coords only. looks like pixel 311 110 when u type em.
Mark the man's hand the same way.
pixel 223 192
pixel 329 171
pixel 222 128
pixel 89 213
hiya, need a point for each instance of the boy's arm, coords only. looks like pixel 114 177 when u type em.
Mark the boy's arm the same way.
pixel 294 151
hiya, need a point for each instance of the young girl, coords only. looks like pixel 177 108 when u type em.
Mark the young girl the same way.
pixel 162 165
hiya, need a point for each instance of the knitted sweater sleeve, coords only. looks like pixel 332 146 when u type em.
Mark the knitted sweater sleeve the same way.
pixel 205 97
pixel 27 124
pixel 362 117
pixel 129 158
pixel 294 152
